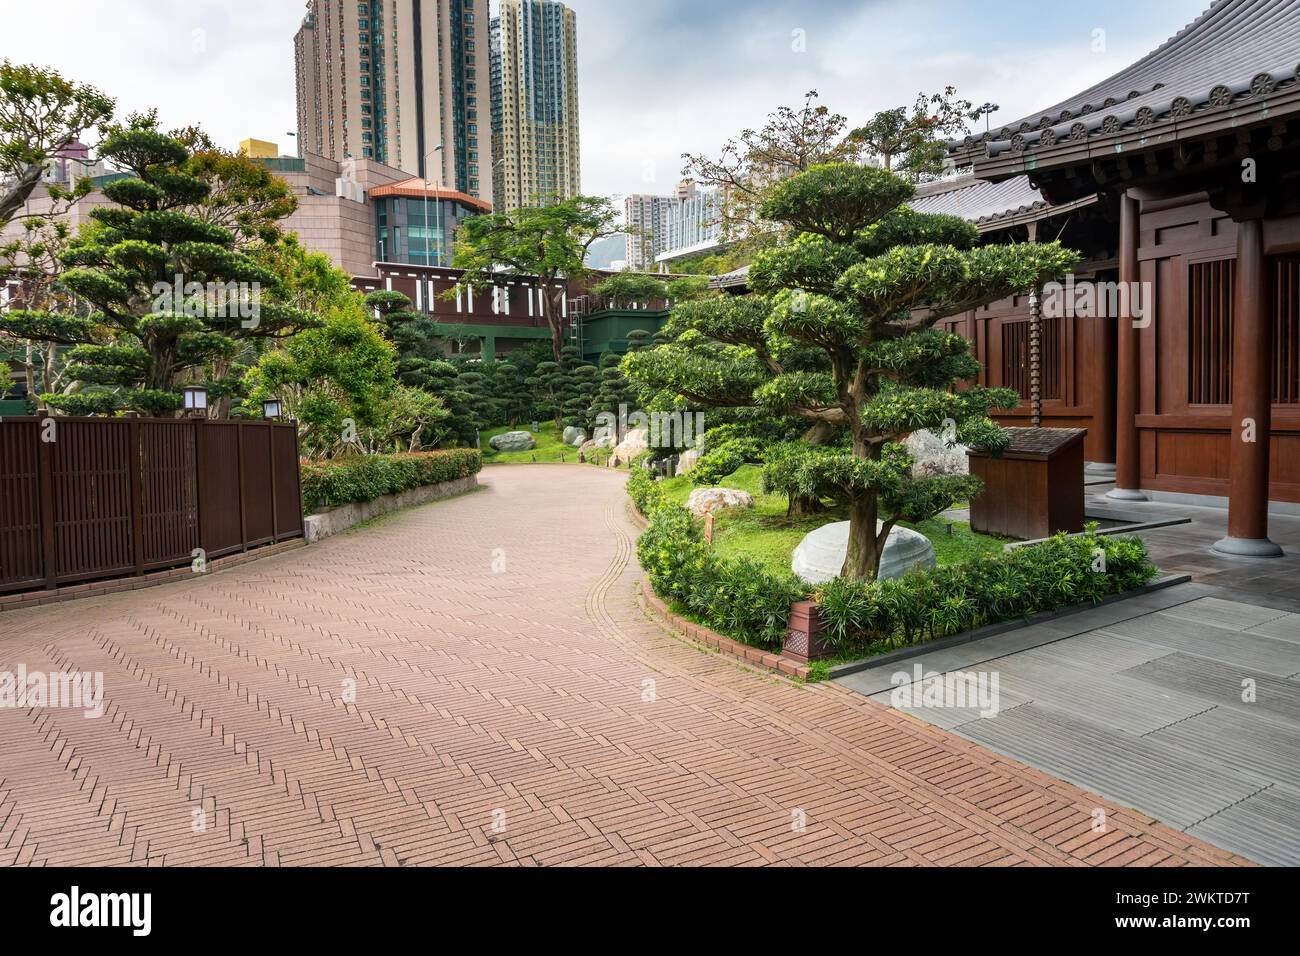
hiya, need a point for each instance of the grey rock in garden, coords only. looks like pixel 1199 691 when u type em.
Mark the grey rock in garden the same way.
pixel 704 500
pixel 603 441
pixel 574 436
pixel 513 441
pixel 820 555
pixel 934 457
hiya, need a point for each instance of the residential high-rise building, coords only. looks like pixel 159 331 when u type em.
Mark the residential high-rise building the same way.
pixel 402 82
pixel 646 218
pixel 662 227
pixel 695 223
pixel 535 148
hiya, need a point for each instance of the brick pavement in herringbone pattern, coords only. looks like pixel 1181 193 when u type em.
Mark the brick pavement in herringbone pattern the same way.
pixel 475 683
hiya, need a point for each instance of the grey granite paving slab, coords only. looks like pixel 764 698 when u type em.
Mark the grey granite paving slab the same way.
pixel 1223 684
pixel 1098 651
pixel 1163 781
pixel 1284 628
pixel 1126 704
pixel 949 718
pixel 1240 742
pixel 1264 827
pixel 1232 615
pixel 1253 651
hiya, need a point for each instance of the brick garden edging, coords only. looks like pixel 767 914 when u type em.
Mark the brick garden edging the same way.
pixel 74 592
pixel 725 645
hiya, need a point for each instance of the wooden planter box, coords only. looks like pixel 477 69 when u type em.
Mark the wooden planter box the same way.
pixel 1035 489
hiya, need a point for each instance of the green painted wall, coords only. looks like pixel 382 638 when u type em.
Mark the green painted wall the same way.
pixel 602 332
pixel 607 331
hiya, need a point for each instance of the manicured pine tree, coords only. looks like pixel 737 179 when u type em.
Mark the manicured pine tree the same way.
pixel 861 279
pixel 510 393
pixel 148 267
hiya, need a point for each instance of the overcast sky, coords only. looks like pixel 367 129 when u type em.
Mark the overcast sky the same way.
pixel 657 77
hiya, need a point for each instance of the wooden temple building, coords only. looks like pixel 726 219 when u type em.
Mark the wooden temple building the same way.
pixel 1178 179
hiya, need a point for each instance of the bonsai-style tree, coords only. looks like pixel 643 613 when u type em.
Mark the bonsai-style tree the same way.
pixel 173 299
pixel 41 113
pixel 548 244
pixel 847 344
pixel 719 356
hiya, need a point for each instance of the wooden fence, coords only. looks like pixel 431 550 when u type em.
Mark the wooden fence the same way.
pixel 84 499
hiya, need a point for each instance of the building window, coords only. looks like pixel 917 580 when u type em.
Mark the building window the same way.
pixel 1016 366
pixel 1209 332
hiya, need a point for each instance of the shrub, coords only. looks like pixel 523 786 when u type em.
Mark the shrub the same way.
pixel 744 600
pixel 737 597
pixel 926 605
pixel 644 490
pixel 723 459
pixel 348 480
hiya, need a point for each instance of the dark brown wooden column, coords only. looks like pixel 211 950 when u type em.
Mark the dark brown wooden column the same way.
pixel 1128 471
pixel 1104 385
pixel 1252 400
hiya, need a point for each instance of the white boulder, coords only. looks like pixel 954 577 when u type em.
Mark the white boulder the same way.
pixel 574 436
pixel 636 442
pixel 705 500
pixel 935 457
pixel 820 555
pixel 688 460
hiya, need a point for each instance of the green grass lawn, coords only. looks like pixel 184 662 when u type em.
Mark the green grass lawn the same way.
pixel 767 535
pixel 550 447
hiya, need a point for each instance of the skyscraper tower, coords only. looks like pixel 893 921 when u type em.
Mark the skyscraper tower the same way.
pixel 535 146
pixel 402 82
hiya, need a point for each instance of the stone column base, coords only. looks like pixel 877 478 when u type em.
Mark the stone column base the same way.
pixel 1248 548
pixel 1124 494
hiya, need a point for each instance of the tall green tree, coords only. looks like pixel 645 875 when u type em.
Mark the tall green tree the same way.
pixel 860 279
pixel 173 296
pixel 336 380
pixel 41 113
pixel 549 244
pixel 909 141
pixel 622 290
pixel 792 140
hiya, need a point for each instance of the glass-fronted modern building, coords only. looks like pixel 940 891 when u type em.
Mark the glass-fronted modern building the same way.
pixel 419 226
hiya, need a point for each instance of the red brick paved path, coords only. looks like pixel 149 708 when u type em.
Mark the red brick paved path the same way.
pixel 530 715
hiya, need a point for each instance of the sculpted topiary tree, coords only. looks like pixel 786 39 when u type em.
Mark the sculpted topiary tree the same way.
pixel 172 297
pixel 842 336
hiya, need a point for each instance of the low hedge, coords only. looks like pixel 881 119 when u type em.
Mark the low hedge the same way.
pixel 351 480
pixel 878 616
pixel 742 599
pixel 737 597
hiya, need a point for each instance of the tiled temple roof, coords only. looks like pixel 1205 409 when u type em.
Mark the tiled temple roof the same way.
pixel 979 202
pixel 1237 52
